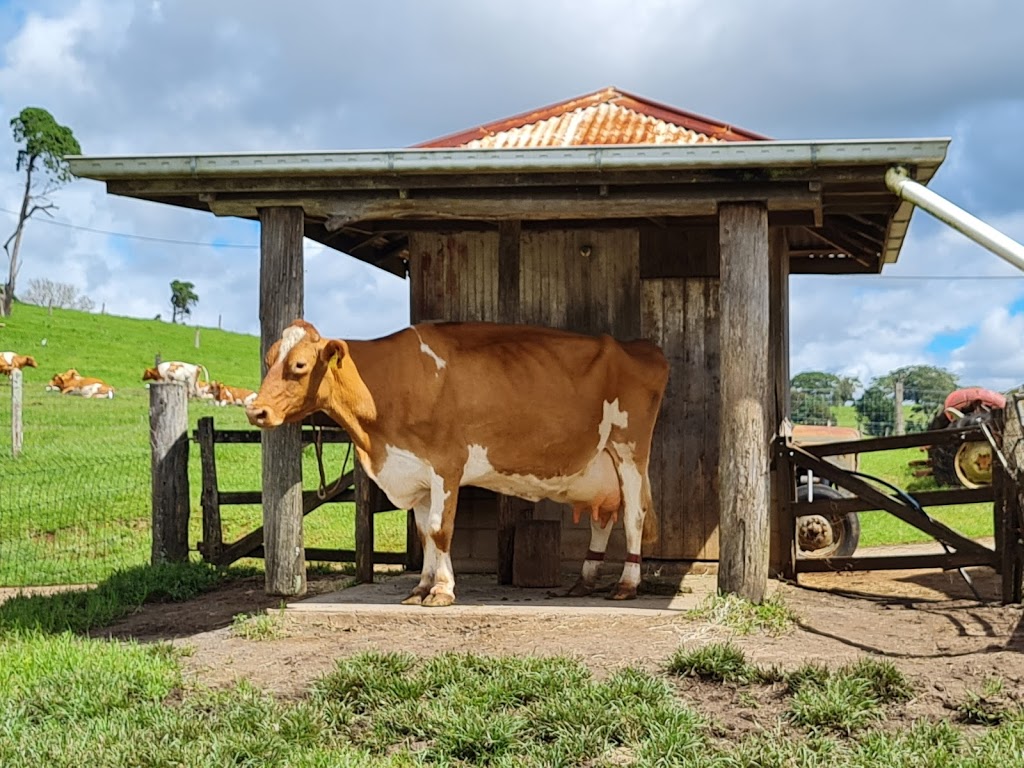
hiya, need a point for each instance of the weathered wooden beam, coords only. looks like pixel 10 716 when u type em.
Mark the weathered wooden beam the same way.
pixel 168 441
pixel 281 302
pixel 924 498
pixel 896 442
pixel 255 436
pixel 209 498
pixel 1009 510
pixel 364 524
pixel 745 434
pixel 509 204
pixel 895 562
pixel 322 555
pixel 783 531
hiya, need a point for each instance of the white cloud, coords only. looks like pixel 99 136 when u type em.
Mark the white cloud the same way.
pixel 194 76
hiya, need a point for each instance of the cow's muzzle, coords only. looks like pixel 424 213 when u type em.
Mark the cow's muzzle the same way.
pixel 263 417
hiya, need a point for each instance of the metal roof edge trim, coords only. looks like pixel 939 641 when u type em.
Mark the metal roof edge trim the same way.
pixel 927 151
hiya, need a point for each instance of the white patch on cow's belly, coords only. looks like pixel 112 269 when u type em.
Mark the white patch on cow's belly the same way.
pixel 407 479
pixel 581 486
pixel 612 417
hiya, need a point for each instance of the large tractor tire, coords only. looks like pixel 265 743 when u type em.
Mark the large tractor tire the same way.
pixel 830 535
pixel 969 464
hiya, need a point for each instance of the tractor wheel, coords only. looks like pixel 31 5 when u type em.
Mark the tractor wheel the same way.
pixel 942 456
pixel 830 535
pixel 961 465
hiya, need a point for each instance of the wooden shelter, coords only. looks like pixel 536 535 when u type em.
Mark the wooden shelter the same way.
pixel 604 214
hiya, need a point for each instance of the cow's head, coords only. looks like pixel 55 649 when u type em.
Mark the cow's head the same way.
pixel 296 383
pixel 30 362
pixel 151 374
pixel 62 380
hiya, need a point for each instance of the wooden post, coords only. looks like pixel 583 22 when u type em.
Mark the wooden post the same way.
pixel 197 338
pixel 1009 505
pixel 281 300
pixel 168 441
pixel 782 558
pixel 897 398
pixel 16 430
pixel 746 405
pixel 510 510
pixel 213 541
pixel 536 562
pixel 365 500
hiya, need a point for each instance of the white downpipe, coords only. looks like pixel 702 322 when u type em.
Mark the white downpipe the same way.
pixel 903 186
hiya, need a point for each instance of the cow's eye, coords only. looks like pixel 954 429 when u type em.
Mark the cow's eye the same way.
pixel 299 366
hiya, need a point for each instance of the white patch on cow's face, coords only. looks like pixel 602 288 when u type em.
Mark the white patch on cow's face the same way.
pixel 612 417
pixel 426 350
pixel 292 335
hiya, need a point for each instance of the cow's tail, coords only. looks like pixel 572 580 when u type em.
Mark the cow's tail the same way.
pixel 650 531
pixel 206 373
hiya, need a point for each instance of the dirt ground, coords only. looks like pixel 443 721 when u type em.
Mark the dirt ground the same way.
pixel 927 622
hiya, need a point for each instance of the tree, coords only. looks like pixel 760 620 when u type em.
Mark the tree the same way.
pixel 811 409
pixel 183 298
pixel 45 146
pixel 876 412
pixel 48 293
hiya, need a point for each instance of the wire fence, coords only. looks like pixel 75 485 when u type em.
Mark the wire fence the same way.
pixel 872 413
pixel 73 520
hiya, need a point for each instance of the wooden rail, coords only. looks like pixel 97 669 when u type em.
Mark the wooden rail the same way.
pixel 348 487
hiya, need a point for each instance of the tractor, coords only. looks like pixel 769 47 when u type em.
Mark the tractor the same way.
pixel 970 463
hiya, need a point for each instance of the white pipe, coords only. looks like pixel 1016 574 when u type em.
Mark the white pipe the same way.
pixel 897 179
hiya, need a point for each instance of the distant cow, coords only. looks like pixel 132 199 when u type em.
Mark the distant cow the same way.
pixel 207 390
pixel 228 395
pixel 523 411
pixel 10 361
pixel 71 382
pixel 175 370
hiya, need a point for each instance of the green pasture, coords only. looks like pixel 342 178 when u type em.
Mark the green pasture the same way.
pixel 75 505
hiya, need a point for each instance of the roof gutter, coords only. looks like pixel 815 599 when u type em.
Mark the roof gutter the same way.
pixel 897 179
pixel 747 154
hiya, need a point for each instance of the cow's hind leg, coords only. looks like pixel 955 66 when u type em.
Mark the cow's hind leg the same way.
pixel 636 498
pixel 587 581
pixel 421 511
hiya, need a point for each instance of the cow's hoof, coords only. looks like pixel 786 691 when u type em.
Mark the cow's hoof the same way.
pixel 413 599
pixel 580 589
pixel 622 592
pixel 438 600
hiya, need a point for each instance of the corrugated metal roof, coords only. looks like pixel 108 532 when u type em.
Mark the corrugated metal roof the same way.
pixel 608 116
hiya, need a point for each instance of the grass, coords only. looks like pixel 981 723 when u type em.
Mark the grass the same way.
pixel 258 626
pixel 75 505
pixel 119 595
pixel 67 701
pixel 772 616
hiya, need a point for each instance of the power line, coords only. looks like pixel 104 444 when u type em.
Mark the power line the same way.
pixel 148 238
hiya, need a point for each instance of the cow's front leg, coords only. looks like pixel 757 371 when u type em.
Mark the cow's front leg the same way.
pixel 435 520
pixel 587 582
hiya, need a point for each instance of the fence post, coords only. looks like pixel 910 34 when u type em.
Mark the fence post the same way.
pixel 1009 504
pixel 168 441
pixel 16 432
pixel 213 541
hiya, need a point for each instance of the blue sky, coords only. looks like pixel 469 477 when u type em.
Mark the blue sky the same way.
pixel 189 76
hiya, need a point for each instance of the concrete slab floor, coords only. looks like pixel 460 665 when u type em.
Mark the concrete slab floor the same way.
pixel 480 594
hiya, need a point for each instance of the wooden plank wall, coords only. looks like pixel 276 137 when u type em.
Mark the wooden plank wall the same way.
pixel 453 276
pixel 680 303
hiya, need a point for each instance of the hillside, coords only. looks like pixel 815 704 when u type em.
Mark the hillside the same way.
pixel 117 349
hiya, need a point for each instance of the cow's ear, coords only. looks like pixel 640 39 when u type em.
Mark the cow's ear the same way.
pixel 333 352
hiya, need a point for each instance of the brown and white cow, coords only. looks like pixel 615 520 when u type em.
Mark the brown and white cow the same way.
pixel 175 370
pixel 71 382
pixel 524 411
pixel 10 361
pixel 229 395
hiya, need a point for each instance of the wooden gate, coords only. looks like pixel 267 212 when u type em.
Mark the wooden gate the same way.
pixel 353 486
pixel 1007 557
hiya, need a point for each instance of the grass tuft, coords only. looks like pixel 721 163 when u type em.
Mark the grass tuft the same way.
pixel 259 626
pixel 772 616
pixel 720 662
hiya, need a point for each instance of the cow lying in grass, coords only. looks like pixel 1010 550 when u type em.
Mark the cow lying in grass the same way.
pixel 523 411
pixel 71 382
pixel 10 361
pixel 177 371
pixel 228 395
